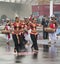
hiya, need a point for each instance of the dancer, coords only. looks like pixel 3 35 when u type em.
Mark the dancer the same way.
pixel 8 36
pixel 21 36
pixel 15 32
pixel 18 35
pixel 34 34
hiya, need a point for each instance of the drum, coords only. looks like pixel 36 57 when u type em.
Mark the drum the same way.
pixel 50 30
pixel 5 31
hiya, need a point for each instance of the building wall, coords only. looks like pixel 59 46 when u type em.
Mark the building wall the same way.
pixel 45 9
pixel 10 9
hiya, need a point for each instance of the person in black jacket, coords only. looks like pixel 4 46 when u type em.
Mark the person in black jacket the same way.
pixel 45 23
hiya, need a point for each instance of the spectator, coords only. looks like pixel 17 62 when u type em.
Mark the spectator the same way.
pixel 45 23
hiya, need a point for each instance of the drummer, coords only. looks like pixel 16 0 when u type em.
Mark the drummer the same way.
pixel 8 36
pixel 53 24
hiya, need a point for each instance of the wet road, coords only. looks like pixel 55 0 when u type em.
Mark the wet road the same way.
pixel 9 57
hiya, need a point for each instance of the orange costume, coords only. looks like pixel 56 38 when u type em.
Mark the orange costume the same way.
pixel 33 27
pixel 16 27
pixel 18 35
pixel 33 35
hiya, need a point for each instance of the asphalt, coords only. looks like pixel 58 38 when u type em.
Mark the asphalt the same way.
pixel 7 56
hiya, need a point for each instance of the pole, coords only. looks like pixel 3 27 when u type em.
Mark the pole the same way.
pixel 51 8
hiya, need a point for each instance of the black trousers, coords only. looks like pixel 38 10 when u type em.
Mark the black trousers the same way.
pixel 21 45
pixel 17 45
pixel 45 36
pixel 34 40
pixel 22 41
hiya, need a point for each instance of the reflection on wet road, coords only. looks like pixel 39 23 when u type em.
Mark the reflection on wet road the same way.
pixel 9 57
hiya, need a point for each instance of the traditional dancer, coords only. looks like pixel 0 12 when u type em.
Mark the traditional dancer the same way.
pixel 15 32
pixel 34 34
pixel 8 36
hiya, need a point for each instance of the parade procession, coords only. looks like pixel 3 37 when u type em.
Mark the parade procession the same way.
pixel 25 31
pixel 29 31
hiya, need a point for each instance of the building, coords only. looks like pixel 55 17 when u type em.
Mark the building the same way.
pixel 40 10
pixel 43 8
pixel 24 8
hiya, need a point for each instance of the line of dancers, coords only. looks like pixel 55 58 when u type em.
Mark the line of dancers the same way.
pixel 24 31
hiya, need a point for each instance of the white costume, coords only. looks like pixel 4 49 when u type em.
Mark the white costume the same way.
pixel 52 37
pixel 6 35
